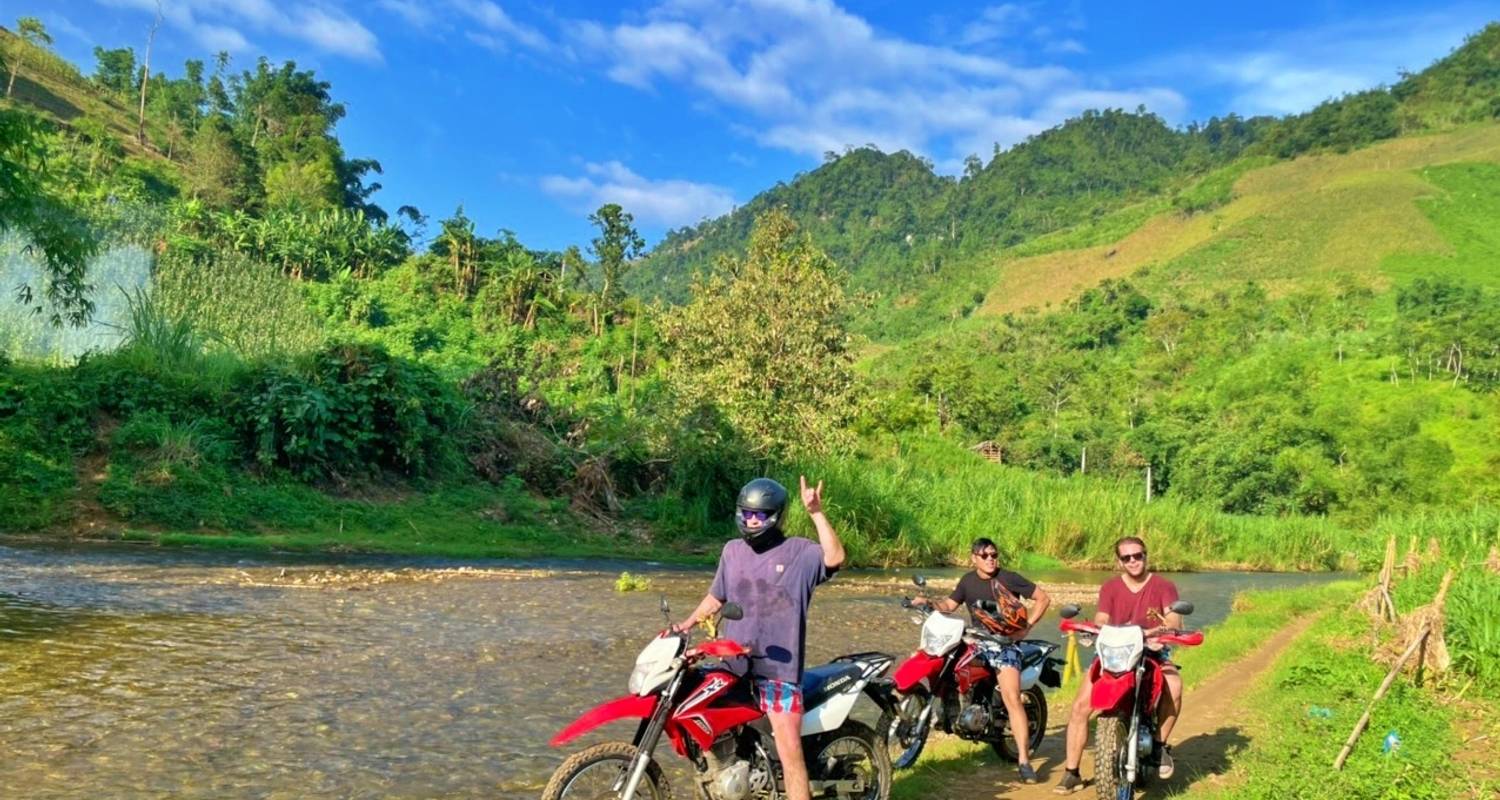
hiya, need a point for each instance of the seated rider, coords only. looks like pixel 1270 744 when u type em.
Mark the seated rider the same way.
pixel 988 582
pixel 1136 597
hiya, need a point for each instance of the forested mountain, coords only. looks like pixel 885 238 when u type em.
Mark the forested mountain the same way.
pixel 901 230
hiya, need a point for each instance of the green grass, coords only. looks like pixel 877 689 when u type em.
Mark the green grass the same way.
pixel 1464 207
pixel 1292 749
pixel 1217 188
pixel 918 500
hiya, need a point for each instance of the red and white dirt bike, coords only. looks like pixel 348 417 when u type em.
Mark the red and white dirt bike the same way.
pixel 1128 685
pixel 948 683
pixel 712 719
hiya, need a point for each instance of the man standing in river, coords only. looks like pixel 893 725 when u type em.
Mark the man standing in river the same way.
pixel 1136 597
pixel 772 577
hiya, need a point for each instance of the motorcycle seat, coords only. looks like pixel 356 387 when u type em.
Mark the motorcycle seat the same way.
pixel 819 683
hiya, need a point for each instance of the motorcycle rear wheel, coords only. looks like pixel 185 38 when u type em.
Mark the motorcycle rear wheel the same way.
pixel 834 746
pixel 1035 703
pixel 603 764
pixel 1109 756
pixel 903 740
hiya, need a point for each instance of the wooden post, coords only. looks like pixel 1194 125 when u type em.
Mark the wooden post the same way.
pixel 1148 483
pixel 1364 720
pixel 1083 461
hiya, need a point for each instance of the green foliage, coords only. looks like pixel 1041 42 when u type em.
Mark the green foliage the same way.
pixel 115 70
pixel 30 206
pixel 765 341
pixel 616 246
pixel 1464 86
pixel 353 411
pixel 632 583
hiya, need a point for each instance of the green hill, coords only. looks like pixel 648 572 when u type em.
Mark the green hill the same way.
pixel 929 245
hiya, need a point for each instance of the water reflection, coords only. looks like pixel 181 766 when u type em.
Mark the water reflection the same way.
pixel 135 674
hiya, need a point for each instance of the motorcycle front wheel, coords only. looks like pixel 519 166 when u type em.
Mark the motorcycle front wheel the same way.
pixel 1110 734
pixel 599 773
pixel 1035 703
pixel 852 751
pixel 904 739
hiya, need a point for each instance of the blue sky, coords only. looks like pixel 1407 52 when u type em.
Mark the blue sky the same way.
pixel 532 113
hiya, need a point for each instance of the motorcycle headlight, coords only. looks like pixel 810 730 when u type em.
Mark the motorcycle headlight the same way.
pixel 638 677
pixel 1116 658
pixel 936 643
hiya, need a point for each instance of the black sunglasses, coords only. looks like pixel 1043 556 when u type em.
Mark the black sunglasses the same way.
pixel 1129 557
pixel 988 555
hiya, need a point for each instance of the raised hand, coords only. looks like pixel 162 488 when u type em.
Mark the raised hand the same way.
pixel 812 497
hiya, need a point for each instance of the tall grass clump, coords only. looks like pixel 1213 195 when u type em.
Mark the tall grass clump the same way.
pixel 923 500
pixel 1463 541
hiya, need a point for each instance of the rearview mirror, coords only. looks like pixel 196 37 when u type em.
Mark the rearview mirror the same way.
pixel 919 580
pixel 1069 611
pixel 1182 607
pixel 732 611
pixel 665 609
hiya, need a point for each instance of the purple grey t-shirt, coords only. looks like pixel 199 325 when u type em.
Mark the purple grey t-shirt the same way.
pixel 775 589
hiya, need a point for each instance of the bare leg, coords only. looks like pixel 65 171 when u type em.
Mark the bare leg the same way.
pixel 1078 723
pixel 787 728
pixel 1170 707
pixel 1010 693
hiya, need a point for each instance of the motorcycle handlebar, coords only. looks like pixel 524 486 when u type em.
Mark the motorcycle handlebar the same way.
pixel 1179 637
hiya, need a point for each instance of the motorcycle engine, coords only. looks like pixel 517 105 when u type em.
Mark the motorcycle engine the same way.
pixel 973 722
pixel 732 782
pixel 730 777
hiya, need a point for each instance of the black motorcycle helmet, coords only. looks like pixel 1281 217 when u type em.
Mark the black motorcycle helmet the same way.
pixel 761 494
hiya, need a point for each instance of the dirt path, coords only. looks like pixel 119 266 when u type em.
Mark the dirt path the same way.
pixel 1210 733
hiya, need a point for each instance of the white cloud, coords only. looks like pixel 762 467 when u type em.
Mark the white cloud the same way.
pixel 665 202
pixel 500 26
pixel 1294 71
pixel 416 13
pixel 221 24
pixel 808 76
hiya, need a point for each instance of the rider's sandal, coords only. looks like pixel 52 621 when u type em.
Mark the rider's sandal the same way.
pixel 1167 766
pixel 1070 783
pixel 1028 775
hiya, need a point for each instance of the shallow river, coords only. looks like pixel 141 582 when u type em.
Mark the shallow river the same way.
pixel 148 674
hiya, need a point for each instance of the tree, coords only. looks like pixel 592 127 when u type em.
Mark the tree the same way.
pixel 219 172
pixel 765 341
pixel 32 32
pixel 52 226
pixel 115 69
pixel 140 120
pixel 615 247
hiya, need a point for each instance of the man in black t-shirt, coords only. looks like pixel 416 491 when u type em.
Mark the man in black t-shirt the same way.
pixel 977 586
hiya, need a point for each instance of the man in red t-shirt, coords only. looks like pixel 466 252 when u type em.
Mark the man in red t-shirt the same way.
pixel 1137 597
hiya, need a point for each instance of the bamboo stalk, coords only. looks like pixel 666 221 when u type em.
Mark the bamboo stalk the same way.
pixel 1364 720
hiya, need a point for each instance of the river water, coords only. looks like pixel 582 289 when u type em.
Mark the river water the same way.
pixel 139 673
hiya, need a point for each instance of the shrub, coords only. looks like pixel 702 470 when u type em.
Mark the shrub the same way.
pixel 354 409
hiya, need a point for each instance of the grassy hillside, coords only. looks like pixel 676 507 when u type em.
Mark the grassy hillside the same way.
pixel 1295 224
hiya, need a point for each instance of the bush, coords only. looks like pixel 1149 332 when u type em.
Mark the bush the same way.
pixel 354 410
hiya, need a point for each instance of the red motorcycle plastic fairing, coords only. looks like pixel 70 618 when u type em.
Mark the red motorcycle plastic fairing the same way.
pixel 969 669
pixel 1110 691
pixel 913 670
pixel 630 706
pixel 718 648
pixel 701 717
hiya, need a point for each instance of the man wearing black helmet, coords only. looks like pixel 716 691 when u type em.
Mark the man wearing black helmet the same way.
pixel 772 576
